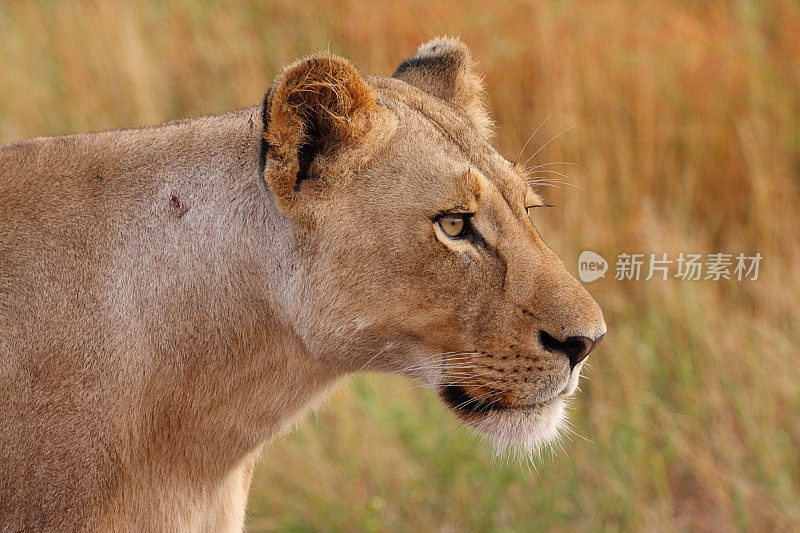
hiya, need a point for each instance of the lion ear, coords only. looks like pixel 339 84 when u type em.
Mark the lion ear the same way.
pixel 444 68
pixel 319 105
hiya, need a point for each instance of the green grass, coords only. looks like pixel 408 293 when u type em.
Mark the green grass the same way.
pixel 687 138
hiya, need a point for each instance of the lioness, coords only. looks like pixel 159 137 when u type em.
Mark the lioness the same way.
pixel 172 297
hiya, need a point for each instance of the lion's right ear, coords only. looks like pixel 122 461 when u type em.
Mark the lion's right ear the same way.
pixel 444 67
pixel 319 105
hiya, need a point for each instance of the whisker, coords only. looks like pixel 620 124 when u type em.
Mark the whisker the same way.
pixel 541 165
pixel 480 398
pixel 433 361
pixel 554 172
pixel 413 387
pixel 532 135
pixel 373 357
pixel 547 143
pixel 545 181
pixel 547 185
pixel 433 365
pixel 473 376
pixel 567 428
pixel 467 379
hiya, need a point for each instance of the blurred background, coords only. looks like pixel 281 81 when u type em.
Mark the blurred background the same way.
pixel 685 137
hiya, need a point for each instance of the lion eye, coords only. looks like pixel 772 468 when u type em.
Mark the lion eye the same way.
pixel 452 225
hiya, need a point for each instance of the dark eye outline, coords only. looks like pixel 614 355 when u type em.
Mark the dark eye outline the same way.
pixel 466 231
pixel 530 207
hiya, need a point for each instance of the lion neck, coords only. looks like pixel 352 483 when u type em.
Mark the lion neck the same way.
pixel 230 372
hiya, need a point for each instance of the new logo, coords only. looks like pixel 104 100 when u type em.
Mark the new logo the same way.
pixel 591 266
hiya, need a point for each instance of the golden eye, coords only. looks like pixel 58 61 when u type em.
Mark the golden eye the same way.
pixel 452 225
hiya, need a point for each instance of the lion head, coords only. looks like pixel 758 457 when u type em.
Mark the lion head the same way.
pixel 413 247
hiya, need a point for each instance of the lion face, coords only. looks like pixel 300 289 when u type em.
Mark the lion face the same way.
pixel 416 245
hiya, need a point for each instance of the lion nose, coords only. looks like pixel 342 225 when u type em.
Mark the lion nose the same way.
pixel 575 348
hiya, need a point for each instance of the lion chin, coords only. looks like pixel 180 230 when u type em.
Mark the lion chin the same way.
pixel 523 430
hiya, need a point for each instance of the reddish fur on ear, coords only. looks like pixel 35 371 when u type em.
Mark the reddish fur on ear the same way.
pixel 320 103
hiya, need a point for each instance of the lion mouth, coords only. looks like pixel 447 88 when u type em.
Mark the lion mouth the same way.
pixel 457 398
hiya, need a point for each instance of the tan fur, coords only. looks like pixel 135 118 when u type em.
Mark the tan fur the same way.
pixel 455 79
pixel 167 304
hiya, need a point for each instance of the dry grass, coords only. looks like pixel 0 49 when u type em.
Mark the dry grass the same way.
pixel 687 138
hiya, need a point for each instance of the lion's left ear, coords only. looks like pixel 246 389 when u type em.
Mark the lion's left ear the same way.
pixel 319 106
pixel 444 68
